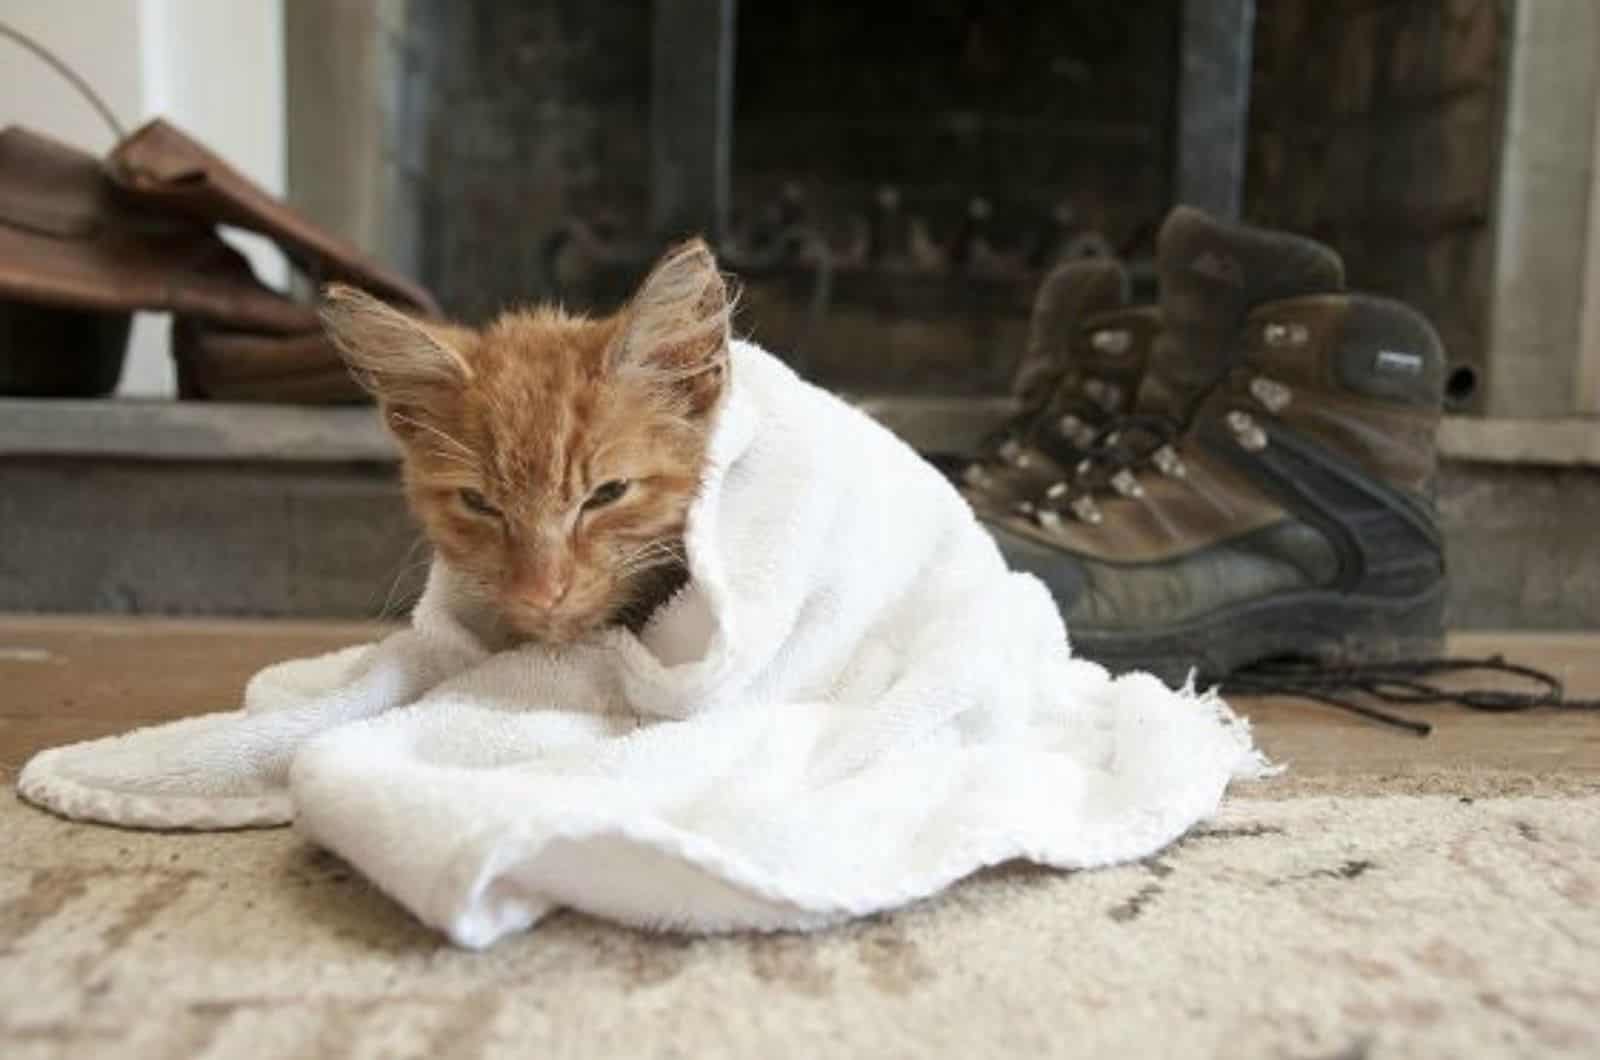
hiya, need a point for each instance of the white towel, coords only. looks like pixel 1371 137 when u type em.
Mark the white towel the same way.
pixel 851 705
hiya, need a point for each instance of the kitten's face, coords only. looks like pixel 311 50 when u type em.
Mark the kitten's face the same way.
pixel 551 459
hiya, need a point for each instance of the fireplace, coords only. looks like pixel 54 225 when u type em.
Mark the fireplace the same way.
pixel 889 184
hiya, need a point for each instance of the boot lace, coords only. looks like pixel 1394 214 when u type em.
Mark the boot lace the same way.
pixel 1113 455
pixel 1069 422
pixel 1402 682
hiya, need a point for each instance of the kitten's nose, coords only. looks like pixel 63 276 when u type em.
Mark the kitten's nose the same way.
pixel 546 591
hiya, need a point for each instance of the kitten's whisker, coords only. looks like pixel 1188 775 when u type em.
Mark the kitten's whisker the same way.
pixel 476 587
pixel 406 567
pixel 652 554
pixel 668 544
pixel 452 458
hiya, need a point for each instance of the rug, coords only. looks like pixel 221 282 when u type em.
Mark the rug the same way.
pixel 1313 927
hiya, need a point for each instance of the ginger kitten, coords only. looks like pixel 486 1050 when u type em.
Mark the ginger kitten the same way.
pixel 550 458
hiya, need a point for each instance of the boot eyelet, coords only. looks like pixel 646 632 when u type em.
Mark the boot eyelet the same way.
pixel 1107 395
pixel 1169 463
pixel 1127 483
pixel 1026 509
pixel 1014 454
pixel 1048 518
pixel 976 477
pixel 1279 335
pixel 1246 431
pixel 1075 431
pixel 1056 491
pixel 1087 510
pixel 1273 395
pixel 1113 341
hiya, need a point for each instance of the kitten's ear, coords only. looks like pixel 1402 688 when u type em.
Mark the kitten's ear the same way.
pixel 408 364
pixel 676 326
pixel 389 351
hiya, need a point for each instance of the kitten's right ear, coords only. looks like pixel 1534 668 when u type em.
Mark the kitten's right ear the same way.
pixel 400 359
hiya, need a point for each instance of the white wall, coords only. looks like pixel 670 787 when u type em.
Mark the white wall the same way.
pixel 1542 210
pixel 1589 352
pixel 212 67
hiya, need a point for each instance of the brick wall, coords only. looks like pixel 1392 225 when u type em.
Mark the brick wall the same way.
pixel 527 113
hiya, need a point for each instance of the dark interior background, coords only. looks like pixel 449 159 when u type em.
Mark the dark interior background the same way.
pixel 1002 129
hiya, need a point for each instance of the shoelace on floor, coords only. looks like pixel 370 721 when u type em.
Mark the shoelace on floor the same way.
pixel 1403 682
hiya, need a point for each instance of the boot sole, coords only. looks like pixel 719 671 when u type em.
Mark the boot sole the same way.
pixel 1328 627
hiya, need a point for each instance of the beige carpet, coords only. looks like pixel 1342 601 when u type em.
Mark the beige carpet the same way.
pixel 1317 927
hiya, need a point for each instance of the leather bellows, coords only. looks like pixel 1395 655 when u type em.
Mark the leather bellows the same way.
pixel 86 241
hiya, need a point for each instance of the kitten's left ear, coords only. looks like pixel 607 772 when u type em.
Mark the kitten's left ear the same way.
pixel 677 325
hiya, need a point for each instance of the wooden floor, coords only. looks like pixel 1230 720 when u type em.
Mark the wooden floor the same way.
pixel 74 678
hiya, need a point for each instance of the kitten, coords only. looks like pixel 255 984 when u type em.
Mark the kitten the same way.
pixel 552 458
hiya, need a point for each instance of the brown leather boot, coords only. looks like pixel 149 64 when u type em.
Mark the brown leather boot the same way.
pixel 1086 353
pixel 1271 497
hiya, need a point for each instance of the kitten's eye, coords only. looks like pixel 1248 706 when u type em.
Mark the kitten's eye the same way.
pixel 606 493
pixel 477 502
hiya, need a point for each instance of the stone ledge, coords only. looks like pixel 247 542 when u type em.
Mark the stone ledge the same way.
pixel 1570 442
pixel 192 431
pixel 263 511
pixel 937 424
pixel 220 432
pixel 211 431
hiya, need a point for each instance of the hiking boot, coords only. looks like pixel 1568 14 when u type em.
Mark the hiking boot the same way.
pixel 1271 494
pixel 1086 353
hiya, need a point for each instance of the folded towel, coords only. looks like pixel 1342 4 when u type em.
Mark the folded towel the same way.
pixel 851 704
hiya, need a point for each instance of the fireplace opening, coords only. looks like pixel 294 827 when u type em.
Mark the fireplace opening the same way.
pixel 890 184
